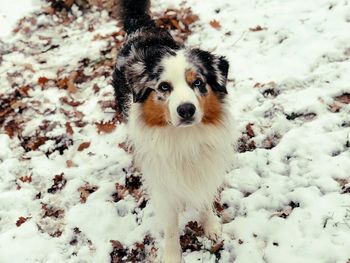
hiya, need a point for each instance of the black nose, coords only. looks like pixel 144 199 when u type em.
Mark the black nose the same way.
pixel 186 110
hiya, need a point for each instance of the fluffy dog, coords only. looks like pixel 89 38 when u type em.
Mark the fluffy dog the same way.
pixel 173 99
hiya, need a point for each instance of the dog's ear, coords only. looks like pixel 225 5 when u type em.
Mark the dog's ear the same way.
pixel 142 95
pixel 221 66
pixel 214 68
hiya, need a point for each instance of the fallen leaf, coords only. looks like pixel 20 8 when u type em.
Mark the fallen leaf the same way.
pixel 216 247
pixel 283 213
pixel 50 211
pixel 215 24
pixel 59 183
pixel 21 220
pixel 70 164
pixel 63 83
pixel 85 191
pixel 71 87
pixel 26 179
pixel 69 129
pixel 257 28
pixel 344 98
pixel 107 104
pixel 24 90
pixel 84 146
pixel 342 182
pixel 42 80
pixel 105 127
pixel 335 107
pixel 126 147
pixel 249 130
pixel 71 102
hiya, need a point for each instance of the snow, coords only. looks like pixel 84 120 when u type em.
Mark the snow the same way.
pixel 13 11
pixel 283 81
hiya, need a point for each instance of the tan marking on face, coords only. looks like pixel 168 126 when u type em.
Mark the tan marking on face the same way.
pixel 211 107
pixel 155 113
pixel 190 76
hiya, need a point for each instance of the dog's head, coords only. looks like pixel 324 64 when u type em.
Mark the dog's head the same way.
pixel 182 88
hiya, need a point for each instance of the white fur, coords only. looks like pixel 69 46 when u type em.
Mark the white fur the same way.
pixel 182 166
pixel 174 73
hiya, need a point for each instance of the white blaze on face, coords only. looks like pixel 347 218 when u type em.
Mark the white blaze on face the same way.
pixel 174 73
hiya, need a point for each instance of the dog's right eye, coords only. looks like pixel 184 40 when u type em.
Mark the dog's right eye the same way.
pixel 164 86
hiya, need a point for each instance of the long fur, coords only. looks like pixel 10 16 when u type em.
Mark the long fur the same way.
pixel 183 161
pixel 187 165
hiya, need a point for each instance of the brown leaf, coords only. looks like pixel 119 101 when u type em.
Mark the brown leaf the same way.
pixel 271 141
pixel 107 104
pixel 216 247
pixel 24 90
pixel 215 24
pixel 26 179
pixel 258 85
pixel 105 127
pixel 42 81
pixel 249 130
pixel 195 227
pixel 50 211
pixel 35 142
pixel 283 213
pixel 84 146
pixel 59 183
pixel 178 21
pixel 69 129
pixel 126 147
pixel 96 88
pixel 70 164
pixel 344 98
pixel 71 87
pixel 341 182
pixel 85 191
pixel 335 107
pixel 21 220
pixel 120 193
pixel 70 102
pixel 218 207
pixel 116 244
pixel 257 28
pixel 17 105
pixel 63 83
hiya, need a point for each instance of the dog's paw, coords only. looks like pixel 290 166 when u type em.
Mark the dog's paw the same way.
pixel 213 229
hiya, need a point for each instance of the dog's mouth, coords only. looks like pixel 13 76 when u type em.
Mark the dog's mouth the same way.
pixel 186 122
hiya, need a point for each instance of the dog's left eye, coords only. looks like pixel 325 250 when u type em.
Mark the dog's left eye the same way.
pixel 197 83
pixel 164 86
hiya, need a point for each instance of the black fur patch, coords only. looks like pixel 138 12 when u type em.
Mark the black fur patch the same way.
pixel 208 63
pixel 142 95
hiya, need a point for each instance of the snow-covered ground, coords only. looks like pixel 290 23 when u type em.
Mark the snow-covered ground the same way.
pixel 68 188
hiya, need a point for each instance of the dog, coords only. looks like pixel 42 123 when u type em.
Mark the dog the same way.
pixel 174 101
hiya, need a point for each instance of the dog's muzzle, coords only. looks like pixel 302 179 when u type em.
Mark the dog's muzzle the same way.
pixel 186 111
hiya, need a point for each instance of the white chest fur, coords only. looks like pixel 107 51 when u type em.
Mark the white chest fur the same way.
pixel 187 163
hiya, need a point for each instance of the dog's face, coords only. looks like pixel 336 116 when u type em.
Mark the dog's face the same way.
pixel 188 89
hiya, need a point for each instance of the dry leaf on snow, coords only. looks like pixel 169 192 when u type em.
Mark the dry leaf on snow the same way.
pixel 215 24
pixel 84 146
pixel 21 220
pixel 85 191
pixel 105 127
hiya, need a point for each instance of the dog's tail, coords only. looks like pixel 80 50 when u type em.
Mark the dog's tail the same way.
pixel 135 14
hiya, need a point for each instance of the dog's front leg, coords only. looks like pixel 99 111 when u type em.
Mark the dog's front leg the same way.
pixel 172 248
pixel 168 215
pixel 211 223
